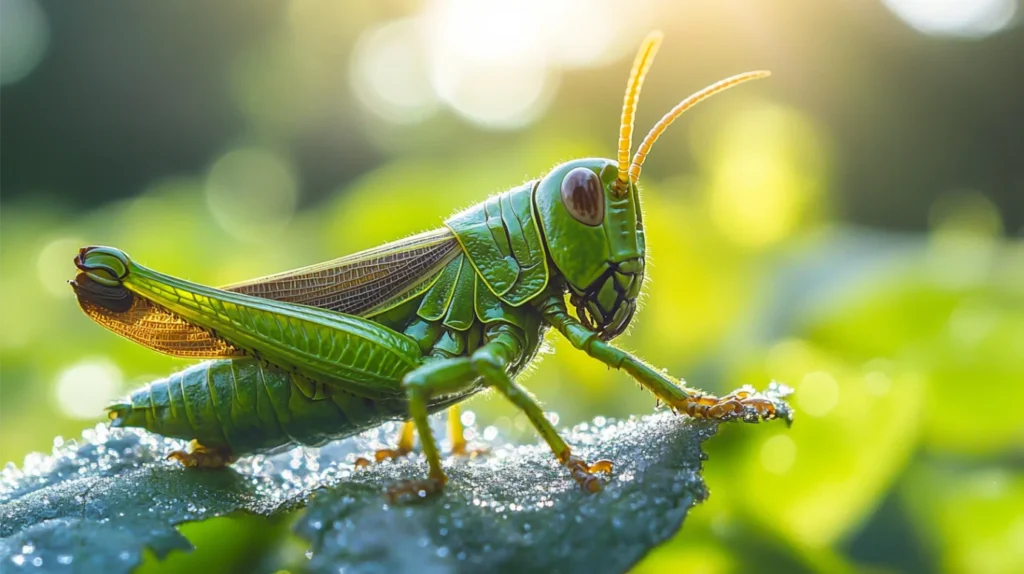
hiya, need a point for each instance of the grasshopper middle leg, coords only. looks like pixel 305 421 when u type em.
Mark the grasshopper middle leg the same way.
pixel 453 375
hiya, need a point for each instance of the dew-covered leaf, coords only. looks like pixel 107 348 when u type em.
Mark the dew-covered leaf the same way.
pixel 516 510
pixel 95 506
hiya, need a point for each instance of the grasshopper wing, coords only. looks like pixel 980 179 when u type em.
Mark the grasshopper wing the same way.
pixel 364 283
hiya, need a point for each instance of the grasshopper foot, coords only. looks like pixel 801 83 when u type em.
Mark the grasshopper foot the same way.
pixel 744 403
pixel 404 447
pixel 199 456
pixel 409 491
pixel 585 474
pixel 382 455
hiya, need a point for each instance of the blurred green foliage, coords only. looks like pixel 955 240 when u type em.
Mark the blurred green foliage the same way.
pixel 256 146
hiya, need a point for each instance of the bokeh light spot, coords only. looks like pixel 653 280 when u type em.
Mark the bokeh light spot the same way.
pixel 24 38
pixel 84 389
pixel 389 73
pixel 818 394
pixel 54 267
pixel 252 193
pixel 778 454
pixel 877 383
pixel 488 61
pixel 972 321
pixel 962 18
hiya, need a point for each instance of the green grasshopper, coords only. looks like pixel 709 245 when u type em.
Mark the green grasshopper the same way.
pixel 410 328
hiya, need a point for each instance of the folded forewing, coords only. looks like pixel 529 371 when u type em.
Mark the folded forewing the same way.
pixel 363 283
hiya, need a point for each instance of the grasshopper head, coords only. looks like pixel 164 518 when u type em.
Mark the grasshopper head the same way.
pixel 596 240
pixel 590 211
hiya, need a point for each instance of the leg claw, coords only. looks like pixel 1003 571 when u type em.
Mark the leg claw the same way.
pixel 390 454
pixel 744 403
pixel 380 456
pixel 583 473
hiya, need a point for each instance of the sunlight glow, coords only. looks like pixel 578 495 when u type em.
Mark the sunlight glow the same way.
pixel 497 64
pixel 962 18
pixel 488 62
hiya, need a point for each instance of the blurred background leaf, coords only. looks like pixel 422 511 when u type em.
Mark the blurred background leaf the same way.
pixel 851 227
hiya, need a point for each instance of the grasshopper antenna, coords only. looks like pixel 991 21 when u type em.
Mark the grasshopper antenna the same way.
pixel 641 64
pixel 667 119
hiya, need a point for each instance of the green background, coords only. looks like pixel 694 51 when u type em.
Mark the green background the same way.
pixel 851 227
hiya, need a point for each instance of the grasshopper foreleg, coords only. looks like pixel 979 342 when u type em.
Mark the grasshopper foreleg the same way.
pixel 743 404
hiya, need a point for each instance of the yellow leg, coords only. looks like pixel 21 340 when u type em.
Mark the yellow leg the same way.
pixel 199 456
pixel 457 434
pixel 405 442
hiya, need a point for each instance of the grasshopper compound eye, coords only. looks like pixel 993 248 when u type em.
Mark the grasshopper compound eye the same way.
pixel 104 265
pixel 582 196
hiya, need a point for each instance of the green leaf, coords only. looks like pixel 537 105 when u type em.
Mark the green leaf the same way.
pixel 97 506
pixel 517 510
pixel 94 507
